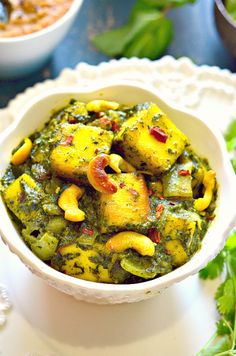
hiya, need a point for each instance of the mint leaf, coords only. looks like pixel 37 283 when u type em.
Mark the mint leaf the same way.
pixel 146 44
pixel 114 42
pixel 214 268
pixel 147 33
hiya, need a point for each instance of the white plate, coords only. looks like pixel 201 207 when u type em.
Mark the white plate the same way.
pixel 44 322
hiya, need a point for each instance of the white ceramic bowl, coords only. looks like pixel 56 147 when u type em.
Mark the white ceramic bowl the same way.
pixel 24 54
pixel 206 141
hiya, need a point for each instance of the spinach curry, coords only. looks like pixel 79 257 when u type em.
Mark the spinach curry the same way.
pixel 110 194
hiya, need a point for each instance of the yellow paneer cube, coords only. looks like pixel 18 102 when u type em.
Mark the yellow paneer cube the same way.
pixel 148 150
pixel 129 206
pixel 177 223
pixel 177 251
pixel 22 197
pixel 71 157
pixel 80 263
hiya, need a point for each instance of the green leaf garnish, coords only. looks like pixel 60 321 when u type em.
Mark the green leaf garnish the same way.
pixel 147 33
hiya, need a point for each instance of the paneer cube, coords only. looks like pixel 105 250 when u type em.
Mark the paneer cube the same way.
pixel 181 224
pixel 70 158
pixel 22 198
pixel 83 264
pixel 150 140
pixel 128 207
pixel 177 251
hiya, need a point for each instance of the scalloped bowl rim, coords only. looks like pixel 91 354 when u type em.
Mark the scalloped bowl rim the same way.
pixel 49 274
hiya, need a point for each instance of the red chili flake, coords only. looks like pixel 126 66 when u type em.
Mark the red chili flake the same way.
pixel 150 192
pixel 99 114
pixel 161 197
pixel 104 121
pixel 87 231
pixel 122 185
pixel 115 126
pixel 184 172
pixel 154 235
pixel 97 150
pixel 159 134
pixel 67 141
pixel 72 120
pixel 210 218
pixel 133 191
pixel 159 210
pixel 22 197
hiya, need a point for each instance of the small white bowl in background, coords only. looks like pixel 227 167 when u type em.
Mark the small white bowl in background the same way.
pixel 207 142
pixel 24 54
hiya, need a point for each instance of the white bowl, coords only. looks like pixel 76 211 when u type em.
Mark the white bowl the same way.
pixel 207 142
pixel 24 54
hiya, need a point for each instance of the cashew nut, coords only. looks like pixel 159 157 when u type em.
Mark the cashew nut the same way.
pixel 130 239
pixel 201 204
pixel 101 105
pixel 118 164
pixel 97 176
pixel 68 201
pixel 21 155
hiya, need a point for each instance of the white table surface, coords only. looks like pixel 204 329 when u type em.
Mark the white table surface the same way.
pixel 45 322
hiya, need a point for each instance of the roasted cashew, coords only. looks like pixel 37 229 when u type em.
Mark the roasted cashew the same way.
pixel 118 164
pixel 97 176
pixel 21 155
pixel 101 105
pixel 201 204
pixel 68 201
pixel 130 239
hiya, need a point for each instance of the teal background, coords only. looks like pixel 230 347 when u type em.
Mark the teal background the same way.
pixel 195 37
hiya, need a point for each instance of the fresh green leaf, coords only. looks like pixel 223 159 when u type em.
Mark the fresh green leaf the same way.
pixel 231 241
pixel 231 7
pixel 114 42
pixel 231 131
pixel 226 303
pixel 220 290
pixel 233 161
pixel 231 144
pixel 222 328
pixel 214 268
pixel 152 42
pixel 221 345
pixel 147 33
pixel 164 4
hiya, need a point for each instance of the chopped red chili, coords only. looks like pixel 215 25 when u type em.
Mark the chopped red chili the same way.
pixel 67 141
pixel 133 191
pixel 150 192
pixel 159 210
pixel 104 121
pixel 158 134
pixel 161 197
pixel 72 120
pixel 154 235
pixel 122 185
pixel 115 126
pixel 184 172
pixel 87 231
pixel 99 114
